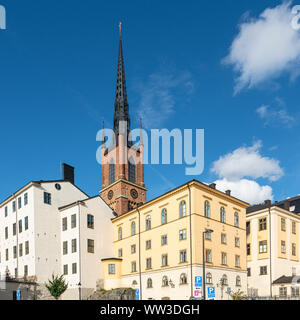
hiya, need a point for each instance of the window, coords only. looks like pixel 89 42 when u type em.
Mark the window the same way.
pixel 64 224
pixel 294 249
pixel 149 283
pixel 182 256
pixel 25 199
pixel 183 278
pixel 15 252
pixel 133 266
pixel 148 223
pixel 131 170
pixel 263 270
pixel 90 246
pixel 248 272
pixel 14 229
pixel 65 269
pixel 207 209
pixel 207 235
pixel 120 233
pixel 182 234
pixel 26 223
pixel 208 278
pixel 283 291
pixel 223 238
pixel 283 226
pixel 295 291
pixel 283 248
pixel 73 221
pixel 148 263
pixel 222 215
pixel 26 247
pixel 74 245
pixel 182 209
pixel 237 261
pixel 164 260
pixel 20 249
pixel 133 248
pixel 263 246
pixel 120 253
pixel 238 281
pixel 25 271
pixel 164 216
pixel 248 249
pixel 111 269
pixel 65 247
pixel 90 221
pixel 294 227
pixel 165 281
pixel 132 228
pixel 237 242
pixel 248 227
pixel 19 203
pixel 6 254
pixel 6 233
pixel 208 256
pixel 14 206
pixel 236 219
pixel 224 280
pixel 20 226
pixel 224 259
pixel 5 211
pixel 111 172
pixel 262 225
pixel 74 268
pixel 164 240
pixel 148 244
pixel 47 198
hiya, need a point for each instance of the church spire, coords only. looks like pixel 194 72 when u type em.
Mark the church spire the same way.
pixel 121 103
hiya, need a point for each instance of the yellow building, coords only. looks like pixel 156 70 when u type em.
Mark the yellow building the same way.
pixel 272 248
pixel 159 244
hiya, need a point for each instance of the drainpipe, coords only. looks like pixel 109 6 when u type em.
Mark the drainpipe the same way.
pixel 270 245
pixel 79 252
pixel 140 264
pixel 191 252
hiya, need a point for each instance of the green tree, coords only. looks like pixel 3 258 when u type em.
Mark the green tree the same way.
pixel 238 295
pixel 57 286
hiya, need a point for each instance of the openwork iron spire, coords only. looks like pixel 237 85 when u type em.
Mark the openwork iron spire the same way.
pixel 121 103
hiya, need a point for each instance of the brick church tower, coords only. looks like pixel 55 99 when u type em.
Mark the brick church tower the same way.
pixel 123 186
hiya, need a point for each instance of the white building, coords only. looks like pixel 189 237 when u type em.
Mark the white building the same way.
pixel 31 224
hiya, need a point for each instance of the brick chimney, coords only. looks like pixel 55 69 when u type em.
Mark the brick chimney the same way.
pixel 68 173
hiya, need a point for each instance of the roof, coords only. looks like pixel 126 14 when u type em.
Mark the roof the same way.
pixel 76 202
pixel 285 280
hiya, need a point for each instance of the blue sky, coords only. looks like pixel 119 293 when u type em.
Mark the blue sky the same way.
pixel 58 64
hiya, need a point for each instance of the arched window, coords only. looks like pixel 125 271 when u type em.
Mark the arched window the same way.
pixel 149 283
pixel 225 280
pixel 165 281
pixel 131 170
pixel 132 228
pixel 222 215
pixel 111 172
pixel 236 219
pixel 238 281
pixel 134 282
pixel 182 209
pixel 164 216
pixel 120 233
pixel 208 278
pixel 183 278
pixel 148 223
pixel 207 209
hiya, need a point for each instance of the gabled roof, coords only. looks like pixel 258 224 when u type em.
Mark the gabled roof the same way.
pixel 285 280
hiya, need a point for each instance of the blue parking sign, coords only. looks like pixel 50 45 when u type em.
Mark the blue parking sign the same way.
pixel 137 294
pixel 18 294
pixel 198 282
pixel 211 292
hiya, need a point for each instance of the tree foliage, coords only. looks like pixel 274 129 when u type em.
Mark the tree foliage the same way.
pixel 238 295
pixel 57 286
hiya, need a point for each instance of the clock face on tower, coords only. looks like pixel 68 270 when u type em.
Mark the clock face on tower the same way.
pixel 133 193
pixel 110 194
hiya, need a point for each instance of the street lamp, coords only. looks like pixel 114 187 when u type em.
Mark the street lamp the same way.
pixel 203 243
pixel 79 290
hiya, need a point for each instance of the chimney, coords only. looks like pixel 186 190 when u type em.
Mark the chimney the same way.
pixel 212 185
pixel 68 173
pixel 268 203
pixel 286 205
pixel 228 192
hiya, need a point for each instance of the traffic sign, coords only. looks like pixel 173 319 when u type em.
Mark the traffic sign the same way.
pixel 228 290
pixel 198 282
pixel 18 294
pixel 211 294
pixel 137 294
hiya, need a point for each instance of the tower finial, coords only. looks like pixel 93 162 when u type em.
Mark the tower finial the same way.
pixel 141 132
pixel 120 28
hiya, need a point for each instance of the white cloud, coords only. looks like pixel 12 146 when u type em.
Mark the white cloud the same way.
pixel 247 162
pixel 246 190
pixel 265 47
pixel 275 116
pixel 158 95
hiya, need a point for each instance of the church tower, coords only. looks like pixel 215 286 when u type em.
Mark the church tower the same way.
pixel 123 186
